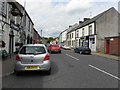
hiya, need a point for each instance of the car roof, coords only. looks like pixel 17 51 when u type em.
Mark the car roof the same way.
pixel 34 45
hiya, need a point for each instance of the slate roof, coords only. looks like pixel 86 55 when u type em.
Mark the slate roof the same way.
pixel 72 28
pixel 95 18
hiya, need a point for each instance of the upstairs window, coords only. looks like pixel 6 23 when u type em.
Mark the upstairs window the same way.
pixel 77 33
pixel 90 30
pixel 3 9
pixel 67 36
pixel 83 32
pixel 72 35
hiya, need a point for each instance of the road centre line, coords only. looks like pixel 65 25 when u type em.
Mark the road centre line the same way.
pixel 104 72
pixel 72 57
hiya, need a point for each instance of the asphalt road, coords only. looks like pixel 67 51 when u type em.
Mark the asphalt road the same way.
pixel 70 70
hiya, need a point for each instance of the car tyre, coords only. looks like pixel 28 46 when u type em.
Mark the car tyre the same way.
pixel 17 73
pixel 59 51
pixel 74 51
pixel 80 52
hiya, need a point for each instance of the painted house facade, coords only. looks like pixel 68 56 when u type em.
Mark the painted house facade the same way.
pixel 87 36
pixel 16 27
pixel 71 38
pixel 10 25
pixel 63 38
pixel 93 32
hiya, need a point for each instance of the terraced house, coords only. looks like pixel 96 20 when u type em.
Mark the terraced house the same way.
pixel 100 33
pixel 16 27
pixel 71 38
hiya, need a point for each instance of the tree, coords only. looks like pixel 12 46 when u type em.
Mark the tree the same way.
pixel 50 39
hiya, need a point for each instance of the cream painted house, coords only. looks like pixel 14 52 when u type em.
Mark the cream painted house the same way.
pixel 71 38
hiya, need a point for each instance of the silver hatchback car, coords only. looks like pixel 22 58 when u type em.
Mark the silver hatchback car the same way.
pixel 33 57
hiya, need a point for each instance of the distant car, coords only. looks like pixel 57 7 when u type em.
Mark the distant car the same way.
pixel 54 48
pixel 33 57
pixel 83 50
pixel 66 47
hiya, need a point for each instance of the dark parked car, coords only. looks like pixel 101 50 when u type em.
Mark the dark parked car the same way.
pixel 83 50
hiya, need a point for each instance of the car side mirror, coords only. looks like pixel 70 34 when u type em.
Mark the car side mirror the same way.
pixel 48 51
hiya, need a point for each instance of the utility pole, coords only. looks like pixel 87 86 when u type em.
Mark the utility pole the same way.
pixel 41 36
pixel 41 32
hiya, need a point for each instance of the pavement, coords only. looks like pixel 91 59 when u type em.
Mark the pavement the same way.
pixel 107 56
pixel 8 65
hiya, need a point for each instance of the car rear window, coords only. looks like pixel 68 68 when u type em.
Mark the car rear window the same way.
pixel 55 45
pixel 32 50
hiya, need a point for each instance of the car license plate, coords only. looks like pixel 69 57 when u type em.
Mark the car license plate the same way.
pixel 32 67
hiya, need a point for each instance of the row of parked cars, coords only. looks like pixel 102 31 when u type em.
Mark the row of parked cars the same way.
pixel 36 57
pixel 80 50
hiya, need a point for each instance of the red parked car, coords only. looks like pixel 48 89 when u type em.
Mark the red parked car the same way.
pixel 54 48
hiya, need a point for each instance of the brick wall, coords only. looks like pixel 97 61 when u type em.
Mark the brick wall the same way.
pixel 115 46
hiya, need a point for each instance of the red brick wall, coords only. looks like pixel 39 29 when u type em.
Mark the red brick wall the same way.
pixel 115 46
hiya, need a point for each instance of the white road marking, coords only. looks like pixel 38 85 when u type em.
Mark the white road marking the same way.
pixel 72 57
pixel 105 72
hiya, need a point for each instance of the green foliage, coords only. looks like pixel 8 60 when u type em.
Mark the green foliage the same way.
pixel 50 39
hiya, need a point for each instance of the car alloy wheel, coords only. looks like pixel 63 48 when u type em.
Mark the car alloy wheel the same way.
pixel 80 52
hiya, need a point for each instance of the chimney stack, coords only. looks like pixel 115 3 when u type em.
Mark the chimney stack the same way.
pixel 80 22
pixel 70 26
pixel 85 19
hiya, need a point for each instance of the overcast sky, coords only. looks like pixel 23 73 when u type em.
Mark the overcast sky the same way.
pixel 54 16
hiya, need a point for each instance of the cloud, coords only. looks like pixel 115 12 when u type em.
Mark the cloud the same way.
pixel 54 16
pixel 78 5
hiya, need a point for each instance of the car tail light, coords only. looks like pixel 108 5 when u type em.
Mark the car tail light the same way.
pixel 17 58
pixel 47 57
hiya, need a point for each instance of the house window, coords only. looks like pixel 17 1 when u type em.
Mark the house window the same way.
pixel 90 30
pixel 67 36
pixel 92 40
pixel 29 26
pixel 72 35
pixel 3 9
pixel 77 33
pixel 72 43
pixel 24 19
pixel 1 36
pixel 83 32
pixel 16 20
